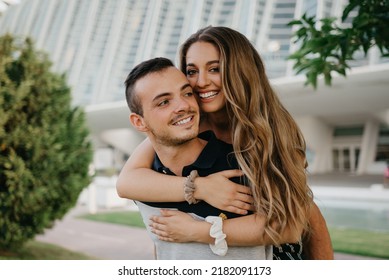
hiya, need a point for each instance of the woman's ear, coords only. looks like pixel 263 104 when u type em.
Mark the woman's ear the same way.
pixel 137 121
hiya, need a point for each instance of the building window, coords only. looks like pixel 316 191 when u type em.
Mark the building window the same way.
pixel 383 144
pixel 348 131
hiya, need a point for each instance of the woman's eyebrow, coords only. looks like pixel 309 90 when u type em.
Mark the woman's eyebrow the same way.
pixel 208 63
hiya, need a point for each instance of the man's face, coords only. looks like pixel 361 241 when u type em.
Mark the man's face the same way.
pixel 170 111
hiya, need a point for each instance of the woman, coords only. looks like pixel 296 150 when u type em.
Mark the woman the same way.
pixel 239 105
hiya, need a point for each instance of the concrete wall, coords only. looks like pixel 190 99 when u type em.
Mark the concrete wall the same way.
pixel 318 136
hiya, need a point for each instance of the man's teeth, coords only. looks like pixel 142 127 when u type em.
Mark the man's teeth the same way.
pixel 184 121
pixel 208 94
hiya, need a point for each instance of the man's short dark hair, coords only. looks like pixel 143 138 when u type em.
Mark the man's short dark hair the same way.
pixel 144 68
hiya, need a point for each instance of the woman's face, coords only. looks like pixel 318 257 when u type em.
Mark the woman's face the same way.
pixel 203 74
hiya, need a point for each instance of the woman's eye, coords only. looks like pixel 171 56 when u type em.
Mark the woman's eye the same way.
pixel 190 72
pixel 214 69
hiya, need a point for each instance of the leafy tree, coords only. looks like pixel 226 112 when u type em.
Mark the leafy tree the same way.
pixel 44 147
pixel 327 48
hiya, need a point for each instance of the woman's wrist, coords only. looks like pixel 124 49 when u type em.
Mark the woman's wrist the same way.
pixel 190 187
pixel 199 191
pixel 220 246
pixel 201 233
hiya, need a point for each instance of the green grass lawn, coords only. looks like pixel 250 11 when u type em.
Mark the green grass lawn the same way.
pixel 351 241
pixel 359 242
pixel 127 218
pixel 34 250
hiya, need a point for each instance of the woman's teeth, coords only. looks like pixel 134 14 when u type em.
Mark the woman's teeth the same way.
pixel 208 94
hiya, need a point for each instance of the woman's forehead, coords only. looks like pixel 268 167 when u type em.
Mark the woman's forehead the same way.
pixel 202 52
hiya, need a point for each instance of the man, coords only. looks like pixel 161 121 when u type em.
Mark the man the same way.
pixel 163 106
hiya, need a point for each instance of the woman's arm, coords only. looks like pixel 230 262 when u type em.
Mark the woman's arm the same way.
pixel 177 226
pixel 139 182
pixel 317 244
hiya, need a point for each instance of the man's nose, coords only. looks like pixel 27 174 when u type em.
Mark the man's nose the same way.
pixel 182 105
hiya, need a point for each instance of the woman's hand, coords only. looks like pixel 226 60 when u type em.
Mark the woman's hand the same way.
pixel 219 191
pixel 180 227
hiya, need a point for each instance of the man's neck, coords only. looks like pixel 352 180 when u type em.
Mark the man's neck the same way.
pixel 177 157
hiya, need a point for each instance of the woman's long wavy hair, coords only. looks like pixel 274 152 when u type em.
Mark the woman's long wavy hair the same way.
pixel 268 144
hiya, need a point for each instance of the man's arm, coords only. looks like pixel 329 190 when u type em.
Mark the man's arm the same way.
pixel 317 244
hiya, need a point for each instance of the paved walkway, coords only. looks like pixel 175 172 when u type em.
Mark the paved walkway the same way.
pixel 99 240
pixel 116 242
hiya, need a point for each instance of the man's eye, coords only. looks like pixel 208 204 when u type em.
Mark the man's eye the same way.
pixel 162 103
pixel 190 93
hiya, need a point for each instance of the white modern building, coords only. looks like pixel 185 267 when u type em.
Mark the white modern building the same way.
pixel 97 42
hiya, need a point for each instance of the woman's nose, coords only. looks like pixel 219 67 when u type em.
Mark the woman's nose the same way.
pixel 202 80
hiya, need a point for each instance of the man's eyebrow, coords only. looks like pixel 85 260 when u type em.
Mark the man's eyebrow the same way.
pixel 208 63
pixel 185 86
pixel 161 95
pixel 164 94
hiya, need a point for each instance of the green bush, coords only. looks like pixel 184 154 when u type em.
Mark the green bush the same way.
pixel 45 151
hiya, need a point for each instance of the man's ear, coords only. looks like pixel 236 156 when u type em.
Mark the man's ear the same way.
pixel 138 122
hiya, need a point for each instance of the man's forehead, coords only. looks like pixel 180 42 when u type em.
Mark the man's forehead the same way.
pixel 167 80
